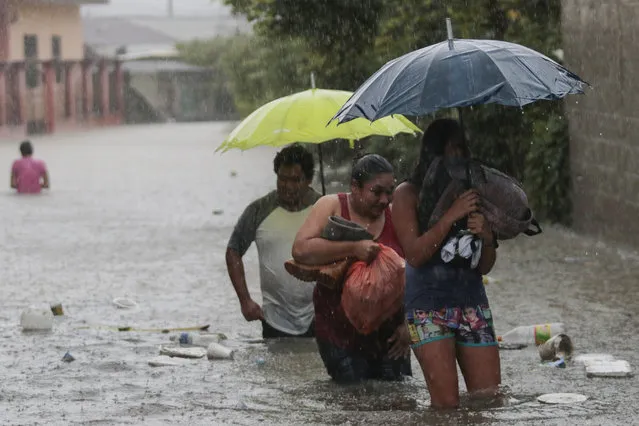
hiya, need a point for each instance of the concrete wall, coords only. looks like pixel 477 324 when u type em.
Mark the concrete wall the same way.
pixel 601 44
pixel 45 21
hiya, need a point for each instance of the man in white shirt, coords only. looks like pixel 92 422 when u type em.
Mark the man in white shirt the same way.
pixel 272 223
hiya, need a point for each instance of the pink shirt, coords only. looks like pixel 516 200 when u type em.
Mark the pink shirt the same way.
pixel 29 172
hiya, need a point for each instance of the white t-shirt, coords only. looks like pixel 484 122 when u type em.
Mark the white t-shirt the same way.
pixel 287 301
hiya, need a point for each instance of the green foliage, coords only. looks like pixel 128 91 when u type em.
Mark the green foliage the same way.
pixel 547 168
pixel 338 33
pixel 345 41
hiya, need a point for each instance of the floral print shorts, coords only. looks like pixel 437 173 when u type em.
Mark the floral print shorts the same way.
pixel 468 325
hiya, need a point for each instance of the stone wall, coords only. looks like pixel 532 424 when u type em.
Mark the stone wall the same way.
pixel 601 44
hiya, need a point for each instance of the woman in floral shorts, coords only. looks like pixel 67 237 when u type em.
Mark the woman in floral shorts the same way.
pixel 447 311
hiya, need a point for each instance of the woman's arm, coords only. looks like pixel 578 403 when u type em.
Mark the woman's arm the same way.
pixel 419 249
pixel 310 248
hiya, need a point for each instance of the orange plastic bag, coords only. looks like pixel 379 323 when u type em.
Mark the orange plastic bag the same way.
pixel 373 293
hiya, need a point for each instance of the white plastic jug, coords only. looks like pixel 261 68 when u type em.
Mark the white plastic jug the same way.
pixel 36 319
pixel 218 351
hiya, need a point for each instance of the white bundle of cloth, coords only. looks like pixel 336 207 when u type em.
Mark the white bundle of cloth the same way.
pixel 467 246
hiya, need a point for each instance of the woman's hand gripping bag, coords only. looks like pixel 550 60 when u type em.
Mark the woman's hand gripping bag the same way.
pixel 374 293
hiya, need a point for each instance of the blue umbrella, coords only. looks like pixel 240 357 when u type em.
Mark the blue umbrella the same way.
pixel 458 73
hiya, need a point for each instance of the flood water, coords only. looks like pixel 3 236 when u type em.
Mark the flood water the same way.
pixel 130 214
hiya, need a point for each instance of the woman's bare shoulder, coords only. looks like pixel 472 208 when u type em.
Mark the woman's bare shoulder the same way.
pixel 405 190
pixel 328 202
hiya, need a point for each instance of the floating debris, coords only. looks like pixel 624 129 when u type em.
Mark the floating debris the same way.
pixel 124 303
pixel 36 319
pixel 181 352
pixel 57 310
pixel 68 357
pixel 560 363
pixel 217 351
pixel 561 398
pixel 558 347
pixel 616 368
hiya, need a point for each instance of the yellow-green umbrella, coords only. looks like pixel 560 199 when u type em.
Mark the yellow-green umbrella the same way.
pixel 303 117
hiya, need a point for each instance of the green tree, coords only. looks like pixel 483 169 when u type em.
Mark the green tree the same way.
pixel 339 33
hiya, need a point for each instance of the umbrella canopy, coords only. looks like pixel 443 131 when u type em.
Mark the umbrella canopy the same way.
pixel 303 117
pixel 457 73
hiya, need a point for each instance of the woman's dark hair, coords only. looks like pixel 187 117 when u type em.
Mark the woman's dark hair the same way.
pixel 368 167
pixel 26 148
pixel 438 133
pixel 295 154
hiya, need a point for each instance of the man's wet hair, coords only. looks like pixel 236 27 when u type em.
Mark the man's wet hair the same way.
pixel 368 167
pixel 295 154
pixel 26 148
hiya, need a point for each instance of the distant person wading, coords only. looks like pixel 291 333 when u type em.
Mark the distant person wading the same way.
pixel 28 175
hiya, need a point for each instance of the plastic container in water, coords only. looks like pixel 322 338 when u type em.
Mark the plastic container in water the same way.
pixel 616 368
pixel 193 339
pixel 36 319
pixel 217 351
pixel 529 334
pixel 555 348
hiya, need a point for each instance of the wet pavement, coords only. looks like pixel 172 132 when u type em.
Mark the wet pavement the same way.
pixel 131 214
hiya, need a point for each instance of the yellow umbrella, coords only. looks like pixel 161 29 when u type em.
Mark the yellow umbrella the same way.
pixel 304 117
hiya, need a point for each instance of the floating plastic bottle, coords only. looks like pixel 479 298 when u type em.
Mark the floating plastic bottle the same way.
pixel 193 339
pixel 529 334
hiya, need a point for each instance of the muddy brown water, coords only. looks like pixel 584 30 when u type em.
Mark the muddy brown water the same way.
pixel 130 214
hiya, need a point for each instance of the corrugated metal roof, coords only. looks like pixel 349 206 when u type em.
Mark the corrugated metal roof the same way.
pixel 128 31
pixel 154 66
pixel 182 29
pixel 121 32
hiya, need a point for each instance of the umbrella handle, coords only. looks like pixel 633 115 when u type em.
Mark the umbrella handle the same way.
pixel 321 167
